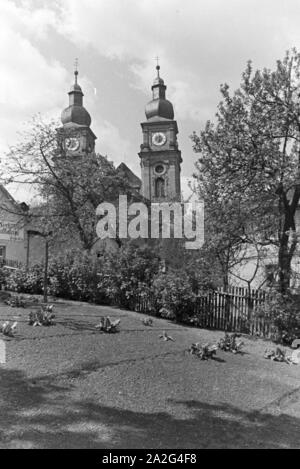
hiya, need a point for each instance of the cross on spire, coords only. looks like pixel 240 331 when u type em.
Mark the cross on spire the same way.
pixel 157 65
pixel 76 69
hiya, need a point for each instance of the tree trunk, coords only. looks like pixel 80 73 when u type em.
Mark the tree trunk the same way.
pixel 46 271
pixel 287 246
pixel 284 268
pixel 286 253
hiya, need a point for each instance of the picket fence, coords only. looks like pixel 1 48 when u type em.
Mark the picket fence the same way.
pixel 235 309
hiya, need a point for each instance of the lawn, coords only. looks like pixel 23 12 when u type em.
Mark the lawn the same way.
pixel 70 386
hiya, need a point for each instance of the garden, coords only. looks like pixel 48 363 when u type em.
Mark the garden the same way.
pixel 80 375
pixel 134 280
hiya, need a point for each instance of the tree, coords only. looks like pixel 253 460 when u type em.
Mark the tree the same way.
pixel 248 170
pixel 68 189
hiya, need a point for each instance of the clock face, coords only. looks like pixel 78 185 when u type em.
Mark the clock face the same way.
pixel 159 138
pixel 72 143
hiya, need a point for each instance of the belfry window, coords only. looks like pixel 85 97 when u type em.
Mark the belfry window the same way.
pixel 159 187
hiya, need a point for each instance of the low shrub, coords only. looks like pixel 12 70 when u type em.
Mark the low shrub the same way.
pixel 284 314
pixel 204 352
pixel 128 275
pixel 173 292
pixel 3 276
pixel 76 277
pixel 132 275
pixel 229 343
pixel 23 281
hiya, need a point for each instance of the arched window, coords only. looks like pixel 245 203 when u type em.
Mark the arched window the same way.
pixel 159 187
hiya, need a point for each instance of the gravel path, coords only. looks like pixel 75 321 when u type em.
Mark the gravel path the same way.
pixel 69 386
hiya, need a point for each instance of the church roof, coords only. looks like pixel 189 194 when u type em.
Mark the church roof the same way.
pixel 133 180
pixel 159 107
pixel 76 113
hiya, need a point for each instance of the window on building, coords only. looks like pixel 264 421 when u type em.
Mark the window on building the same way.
pixel 159 187
pixel 159 169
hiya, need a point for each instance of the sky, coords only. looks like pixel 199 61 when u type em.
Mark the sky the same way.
pixel 201 45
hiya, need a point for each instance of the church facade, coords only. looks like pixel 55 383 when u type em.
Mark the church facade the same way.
pixel 160 158
pixel 160 161
pixel 159 155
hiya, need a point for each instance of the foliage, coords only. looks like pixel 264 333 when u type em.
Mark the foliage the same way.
pixel 8 329
pixel 44 317
pixel 166 313
pixel 202 269
pixel 75 276
pixel 283 312
pixel 107 325
pixel 69 189
pixel 3 275
pixel 147 322
pixel 229 343
pixel 173 292
pixel 4 296
pixel 23 281
pixel 16 302
pixel 204 352
pixel 249 166
pixel 116 277
pixel 128 273
pixel 277 355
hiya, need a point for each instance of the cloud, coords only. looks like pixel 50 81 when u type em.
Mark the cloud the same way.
pixel 22 16
pixel 28 82
pixel 201 43
pixel 136 32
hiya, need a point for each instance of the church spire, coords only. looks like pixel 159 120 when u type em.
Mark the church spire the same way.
pixel 75 93
pixel 159 87
pixel 76 70
pixel 76 75
pixel 75 112
pixel 160 156
pixel 159 106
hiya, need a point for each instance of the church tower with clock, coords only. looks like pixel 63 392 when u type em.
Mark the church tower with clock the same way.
pixel 160 157
pixel 76 137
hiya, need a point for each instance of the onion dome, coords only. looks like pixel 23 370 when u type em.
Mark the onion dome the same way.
pixel 159 106
pixel 75 113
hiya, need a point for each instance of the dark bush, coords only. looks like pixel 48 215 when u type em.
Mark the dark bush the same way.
pixel 76 276
pixel 284 314
pixel 128 274
pixel 173 291
pixel 22 281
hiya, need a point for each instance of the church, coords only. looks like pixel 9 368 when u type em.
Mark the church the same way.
pixel 160 158
pixel 159 181
pixel 160 162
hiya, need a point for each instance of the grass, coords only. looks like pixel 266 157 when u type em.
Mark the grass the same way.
pixel 68 385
